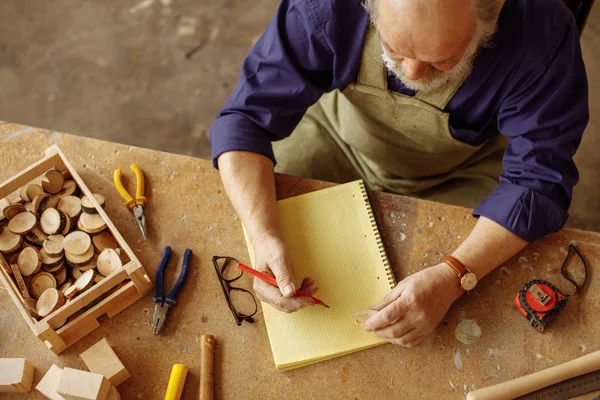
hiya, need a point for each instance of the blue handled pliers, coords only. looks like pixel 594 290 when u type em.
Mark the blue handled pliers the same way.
pixel 164 304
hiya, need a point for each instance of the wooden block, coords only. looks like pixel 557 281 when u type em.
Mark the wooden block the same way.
pixel 113 394
pixel 16 375
pixel 101 359
pixel 82 385
pixel 49 383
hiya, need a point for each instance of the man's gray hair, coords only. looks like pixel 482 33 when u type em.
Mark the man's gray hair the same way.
pixel 487 16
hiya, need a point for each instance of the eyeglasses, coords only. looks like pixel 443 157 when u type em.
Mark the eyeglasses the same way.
pixel 241 301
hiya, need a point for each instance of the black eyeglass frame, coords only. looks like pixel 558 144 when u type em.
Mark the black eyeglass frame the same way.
pixel 227 287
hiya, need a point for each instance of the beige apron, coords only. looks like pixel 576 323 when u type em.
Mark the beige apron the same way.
pixel 394 142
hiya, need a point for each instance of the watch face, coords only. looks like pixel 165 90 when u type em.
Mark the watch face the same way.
pixel 468 281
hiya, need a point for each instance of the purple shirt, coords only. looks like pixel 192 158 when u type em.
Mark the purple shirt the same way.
pixel 530 86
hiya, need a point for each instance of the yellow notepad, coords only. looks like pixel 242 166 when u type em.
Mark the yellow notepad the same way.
pixel 332 237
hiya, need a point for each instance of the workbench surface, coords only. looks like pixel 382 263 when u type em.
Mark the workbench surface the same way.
pixel 188 207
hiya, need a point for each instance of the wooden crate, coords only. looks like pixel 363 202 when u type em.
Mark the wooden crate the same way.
pixel 126 285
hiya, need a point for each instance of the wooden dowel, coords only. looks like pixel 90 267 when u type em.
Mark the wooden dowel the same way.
pixel 206 362
pixel 539 380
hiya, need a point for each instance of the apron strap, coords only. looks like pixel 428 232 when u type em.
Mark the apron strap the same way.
pixel 372 72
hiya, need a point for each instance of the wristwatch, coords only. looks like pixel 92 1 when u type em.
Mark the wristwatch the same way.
pixel 468 280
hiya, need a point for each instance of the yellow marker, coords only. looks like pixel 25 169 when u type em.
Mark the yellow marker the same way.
pixel 176 382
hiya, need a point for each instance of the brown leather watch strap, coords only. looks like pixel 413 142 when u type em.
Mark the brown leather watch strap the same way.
pixel 456 265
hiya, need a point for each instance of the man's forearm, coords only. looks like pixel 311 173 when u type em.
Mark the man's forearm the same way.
pixel 249 180
pixel 488 246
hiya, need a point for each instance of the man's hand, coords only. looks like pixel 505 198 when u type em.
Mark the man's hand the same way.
pixel 250 184
pixel 272 258
pixel 416 306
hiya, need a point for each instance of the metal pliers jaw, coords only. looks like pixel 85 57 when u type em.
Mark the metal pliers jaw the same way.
pixel 162 304
pixel 140 218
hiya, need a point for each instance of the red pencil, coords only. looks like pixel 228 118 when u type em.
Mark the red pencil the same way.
pixel 272 281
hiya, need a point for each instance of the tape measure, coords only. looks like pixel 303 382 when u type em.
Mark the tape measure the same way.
pixel 539 300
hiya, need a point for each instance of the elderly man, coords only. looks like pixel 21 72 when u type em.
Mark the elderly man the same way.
pixel 480 103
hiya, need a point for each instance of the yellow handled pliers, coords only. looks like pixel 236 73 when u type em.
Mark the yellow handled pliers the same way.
pixel 137 205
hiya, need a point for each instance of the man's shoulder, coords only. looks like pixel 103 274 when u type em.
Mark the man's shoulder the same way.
pixel 322 12
pixel 534 28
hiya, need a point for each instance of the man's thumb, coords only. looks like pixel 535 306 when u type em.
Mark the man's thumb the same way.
pixel 285 280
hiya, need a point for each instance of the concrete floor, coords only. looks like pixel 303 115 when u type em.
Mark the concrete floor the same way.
pixel 154 73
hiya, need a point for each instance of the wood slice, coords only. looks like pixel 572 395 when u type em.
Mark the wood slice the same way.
pixel 109 262
pixel 76 273
pixel 70 205
pixel 32 190
pixel 49 261
pixel 69 187
pixel 54 245
pixel 15 197
pixel 13 210
pixel 36 237
pixel 53 181
pixel 55 268
pixel 53 221
pixel 9 241
pixel 360 317
pixel 41 282
pixel 91 265
pixel 86 280
pixel 68 224
pixel 77 243
pixel 82 259
pixel 87 205
pixel 3 204
pixel 71 291
pixel 50 301
pixel 23 193
pixel 61 275
pixel 37 203
pixel 22 223
pixel 29 206
pixel 29 261
pixel 52 202
pixel 63 288
pixel 44 204
pixel 91 223
pixel 104 240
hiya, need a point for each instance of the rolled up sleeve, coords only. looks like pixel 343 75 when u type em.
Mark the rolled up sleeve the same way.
pixel 544 117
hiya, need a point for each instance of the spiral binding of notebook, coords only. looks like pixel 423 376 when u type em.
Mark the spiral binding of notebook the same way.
pixel 384 258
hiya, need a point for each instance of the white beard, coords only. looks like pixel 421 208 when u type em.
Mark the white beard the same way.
pixel 434 78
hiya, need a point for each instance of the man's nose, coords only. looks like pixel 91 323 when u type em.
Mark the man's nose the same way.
pixel 414 69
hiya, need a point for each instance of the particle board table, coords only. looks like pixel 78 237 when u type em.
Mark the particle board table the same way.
pixel 188 207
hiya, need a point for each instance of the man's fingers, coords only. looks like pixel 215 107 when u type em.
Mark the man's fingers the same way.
pixel 389 298
pixel 396 330
pixel 388 315
pixel 270 294
pixel 412 338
